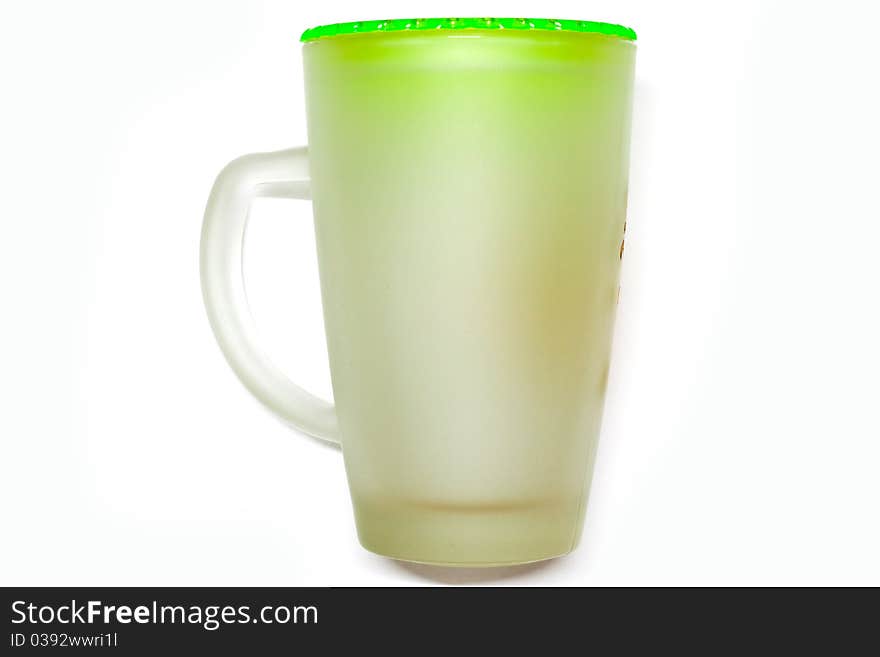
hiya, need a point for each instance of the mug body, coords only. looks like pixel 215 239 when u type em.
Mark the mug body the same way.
pixel 469 195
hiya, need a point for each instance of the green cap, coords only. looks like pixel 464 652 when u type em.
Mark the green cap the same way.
pixel 433 24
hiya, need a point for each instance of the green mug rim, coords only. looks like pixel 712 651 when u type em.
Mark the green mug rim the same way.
pixel 434 24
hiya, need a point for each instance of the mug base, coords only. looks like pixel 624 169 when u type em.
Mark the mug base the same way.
pixel 469 536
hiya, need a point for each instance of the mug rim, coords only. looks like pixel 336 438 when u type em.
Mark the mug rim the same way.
pixel 492 24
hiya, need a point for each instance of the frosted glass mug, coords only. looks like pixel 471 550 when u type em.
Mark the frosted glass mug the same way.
pixel 469 188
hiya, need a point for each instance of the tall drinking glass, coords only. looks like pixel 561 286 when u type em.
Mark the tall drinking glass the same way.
pixel 469 185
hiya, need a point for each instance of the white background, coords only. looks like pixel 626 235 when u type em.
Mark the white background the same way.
pixel 740 443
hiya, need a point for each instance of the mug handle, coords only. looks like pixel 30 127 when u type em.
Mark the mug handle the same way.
pixel 282 174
